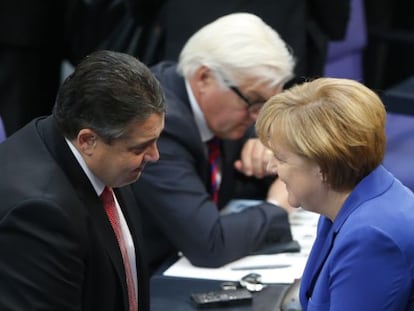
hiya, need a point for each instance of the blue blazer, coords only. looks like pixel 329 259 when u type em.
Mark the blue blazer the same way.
pixel 57 247
pixel 364 260
pixel 174 198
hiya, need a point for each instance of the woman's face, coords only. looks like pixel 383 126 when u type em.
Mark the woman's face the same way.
pixel 303 179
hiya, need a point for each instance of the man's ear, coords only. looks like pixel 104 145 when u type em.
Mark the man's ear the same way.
pixel 86 141
pixel 202 77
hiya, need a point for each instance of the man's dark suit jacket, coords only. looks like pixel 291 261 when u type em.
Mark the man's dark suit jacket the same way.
pixel 58 250
pixel 173 193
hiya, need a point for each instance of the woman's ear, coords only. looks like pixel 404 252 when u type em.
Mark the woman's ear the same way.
pixel 322 176
pixel 318 173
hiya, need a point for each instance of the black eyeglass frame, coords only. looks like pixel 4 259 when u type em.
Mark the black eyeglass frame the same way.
pixel 250 105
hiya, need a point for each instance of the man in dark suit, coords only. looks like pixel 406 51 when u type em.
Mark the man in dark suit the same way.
pixel 228 69
pixel 61 248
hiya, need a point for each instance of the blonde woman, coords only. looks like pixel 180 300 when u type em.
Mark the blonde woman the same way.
pixel 328 142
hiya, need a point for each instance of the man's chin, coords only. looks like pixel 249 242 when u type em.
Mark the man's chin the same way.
pixel 133 178
pixel 235 135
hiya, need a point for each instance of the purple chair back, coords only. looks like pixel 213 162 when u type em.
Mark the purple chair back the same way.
pixel 2 131
pixel 399 155
pixel 344 59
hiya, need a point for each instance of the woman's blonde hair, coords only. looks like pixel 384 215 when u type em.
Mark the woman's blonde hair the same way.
pixel 339 124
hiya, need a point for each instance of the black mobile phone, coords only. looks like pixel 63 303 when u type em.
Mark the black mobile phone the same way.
pixel 222 298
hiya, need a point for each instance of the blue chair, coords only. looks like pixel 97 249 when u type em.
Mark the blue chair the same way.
pixel 2 131
pixel 399 155
pixel 344 57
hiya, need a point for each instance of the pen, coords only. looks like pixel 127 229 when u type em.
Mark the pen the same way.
pixel 277 266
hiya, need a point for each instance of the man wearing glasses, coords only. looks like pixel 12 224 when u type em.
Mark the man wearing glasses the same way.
pixel 226 71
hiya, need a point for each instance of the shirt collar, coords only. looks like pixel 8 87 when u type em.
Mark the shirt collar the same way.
pixel 96 183
pixel 200 120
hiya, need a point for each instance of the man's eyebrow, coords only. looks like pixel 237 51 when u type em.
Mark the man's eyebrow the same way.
pixel 144 143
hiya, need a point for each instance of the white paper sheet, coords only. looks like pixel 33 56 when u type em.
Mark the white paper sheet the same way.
pixel 303 230
pixel 296 262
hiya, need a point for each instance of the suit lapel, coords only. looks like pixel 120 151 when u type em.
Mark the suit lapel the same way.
pixel 80 182
pixel 108 241
pixel 166 72
pixel 320 251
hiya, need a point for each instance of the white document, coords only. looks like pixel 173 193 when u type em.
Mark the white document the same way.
pixel 274 268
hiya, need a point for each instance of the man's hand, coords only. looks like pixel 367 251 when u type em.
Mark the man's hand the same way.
pixel 278 195
pixel 254 158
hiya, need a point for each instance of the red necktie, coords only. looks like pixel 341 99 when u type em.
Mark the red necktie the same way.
pixel 112 213
pixel 213 159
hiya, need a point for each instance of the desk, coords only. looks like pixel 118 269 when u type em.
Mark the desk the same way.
pixel 171 293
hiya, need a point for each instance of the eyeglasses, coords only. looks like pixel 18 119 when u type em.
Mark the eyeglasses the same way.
pixel 253 107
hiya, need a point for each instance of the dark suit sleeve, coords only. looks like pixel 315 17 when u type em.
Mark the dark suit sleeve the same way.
pixel 39 262
pixel 173 193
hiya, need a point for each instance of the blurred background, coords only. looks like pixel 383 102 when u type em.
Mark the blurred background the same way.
pixel 41 40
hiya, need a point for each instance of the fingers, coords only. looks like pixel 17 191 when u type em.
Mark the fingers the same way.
pixel 254 159
pixel 277 192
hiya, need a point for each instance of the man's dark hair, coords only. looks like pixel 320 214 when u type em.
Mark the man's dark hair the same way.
pixel 106 92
